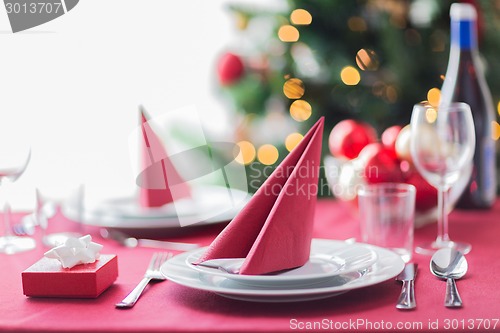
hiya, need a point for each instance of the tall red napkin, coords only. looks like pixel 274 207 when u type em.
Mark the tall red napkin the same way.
pixel 274 230
pixel 159 176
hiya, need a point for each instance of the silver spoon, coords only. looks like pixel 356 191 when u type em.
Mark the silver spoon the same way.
pixel 449 264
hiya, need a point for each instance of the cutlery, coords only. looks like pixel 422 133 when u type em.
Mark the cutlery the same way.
pixel 38 218
pixel 25 227
pixel 406 299
pixel 132 242
pixel 227 265
pixel 152 273
pixel 449 264
pixel 233 265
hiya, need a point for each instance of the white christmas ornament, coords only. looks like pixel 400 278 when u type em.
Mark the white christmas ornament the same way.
pixel 75 251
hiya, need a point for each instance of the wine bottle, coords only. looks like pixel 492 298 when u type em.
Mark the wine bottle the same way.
pixel 465 82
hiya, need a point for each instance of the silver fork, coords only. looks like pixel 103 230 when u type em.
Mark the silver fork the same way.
pixel 152 273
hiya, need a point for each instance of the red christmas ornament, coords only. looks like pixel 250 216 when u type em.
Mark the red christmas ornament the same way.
pixel 230 69
pixel 349 137
pixel 380 164
pixel 389 137
pixel 426 197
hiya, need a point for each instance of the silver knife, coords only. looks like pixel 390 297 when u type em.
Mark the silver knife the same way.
pixel 132 242
pixel 406 300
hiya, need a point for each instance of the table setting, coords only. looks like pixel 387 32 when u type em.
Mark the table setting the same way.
pixel 282 260
pixel 226 230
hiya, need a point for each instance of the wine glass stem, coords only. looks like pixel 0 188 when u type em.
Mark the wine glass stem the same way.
pixel 7 219
pixel 442 216
pixel 7 212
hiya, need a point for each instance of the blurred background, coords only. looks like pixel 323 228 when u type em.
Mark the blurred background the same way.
pixel 258 72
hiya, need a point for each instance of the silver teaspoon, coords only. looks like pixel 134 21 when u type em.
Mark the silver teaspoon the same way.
pixel 449 264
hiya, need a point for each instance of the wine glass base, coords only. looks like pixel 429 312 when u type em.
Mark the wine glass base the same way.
pixel 430 248
pixel 15 244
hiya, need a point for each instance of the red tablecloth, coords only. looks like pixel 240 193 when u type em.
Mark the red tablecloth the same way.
pixel 167 307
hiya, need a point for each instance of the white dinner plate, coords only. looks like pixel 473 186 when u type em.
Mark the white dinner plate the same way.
pixel 387 266
pixel 326 260
pixel 129 208
pixel 208 205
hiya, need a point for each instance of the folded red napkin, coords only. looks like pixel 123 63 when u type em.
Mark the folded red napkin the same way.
pixel 159 177
pixel 274 230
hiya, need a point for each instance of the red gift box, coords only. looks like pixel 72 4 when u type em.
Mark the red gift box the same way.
pixel 47 278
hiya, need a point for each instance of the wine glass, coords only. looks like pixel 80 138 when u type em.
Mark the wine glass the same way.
pixel 442 146
pixel 15 155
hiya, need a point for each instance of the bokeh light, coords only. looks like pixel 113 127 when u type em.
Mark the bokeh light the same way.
pixel 495 130
pixel 246 154
pixel 367 60
pixel 431 115
pixel 293 140
pixel 498 107
pixel 350 76
pixel 391 94
pixel 434 96
pixel 438 41
pixel 357 24
pixel 288 33
pixel 301 17
pixel 294 88
pixel 241 21
pixel 413 37
pixel 378 88
pixel 267 154
pixel 300 110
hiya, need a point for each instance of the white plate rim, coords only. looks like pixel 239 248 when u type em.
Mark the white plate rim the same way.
pixel 167 222
pixel 264 279
pixel 390 262
pixel 271 299
pixel 131 209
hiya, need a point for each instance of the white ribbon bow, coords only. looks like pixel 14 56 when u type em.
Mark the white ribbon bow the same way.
pixel 75 251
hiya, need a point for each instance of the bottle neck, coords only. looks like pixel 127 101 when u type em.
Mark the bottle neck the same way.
pixel 464 35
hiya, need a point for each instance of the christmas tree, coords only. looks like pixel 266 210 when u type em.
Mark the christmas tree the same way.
pixel 370 60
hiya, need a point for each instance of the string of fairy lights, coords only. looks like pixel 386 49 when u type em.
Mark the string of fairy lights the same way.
pixel 294 89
